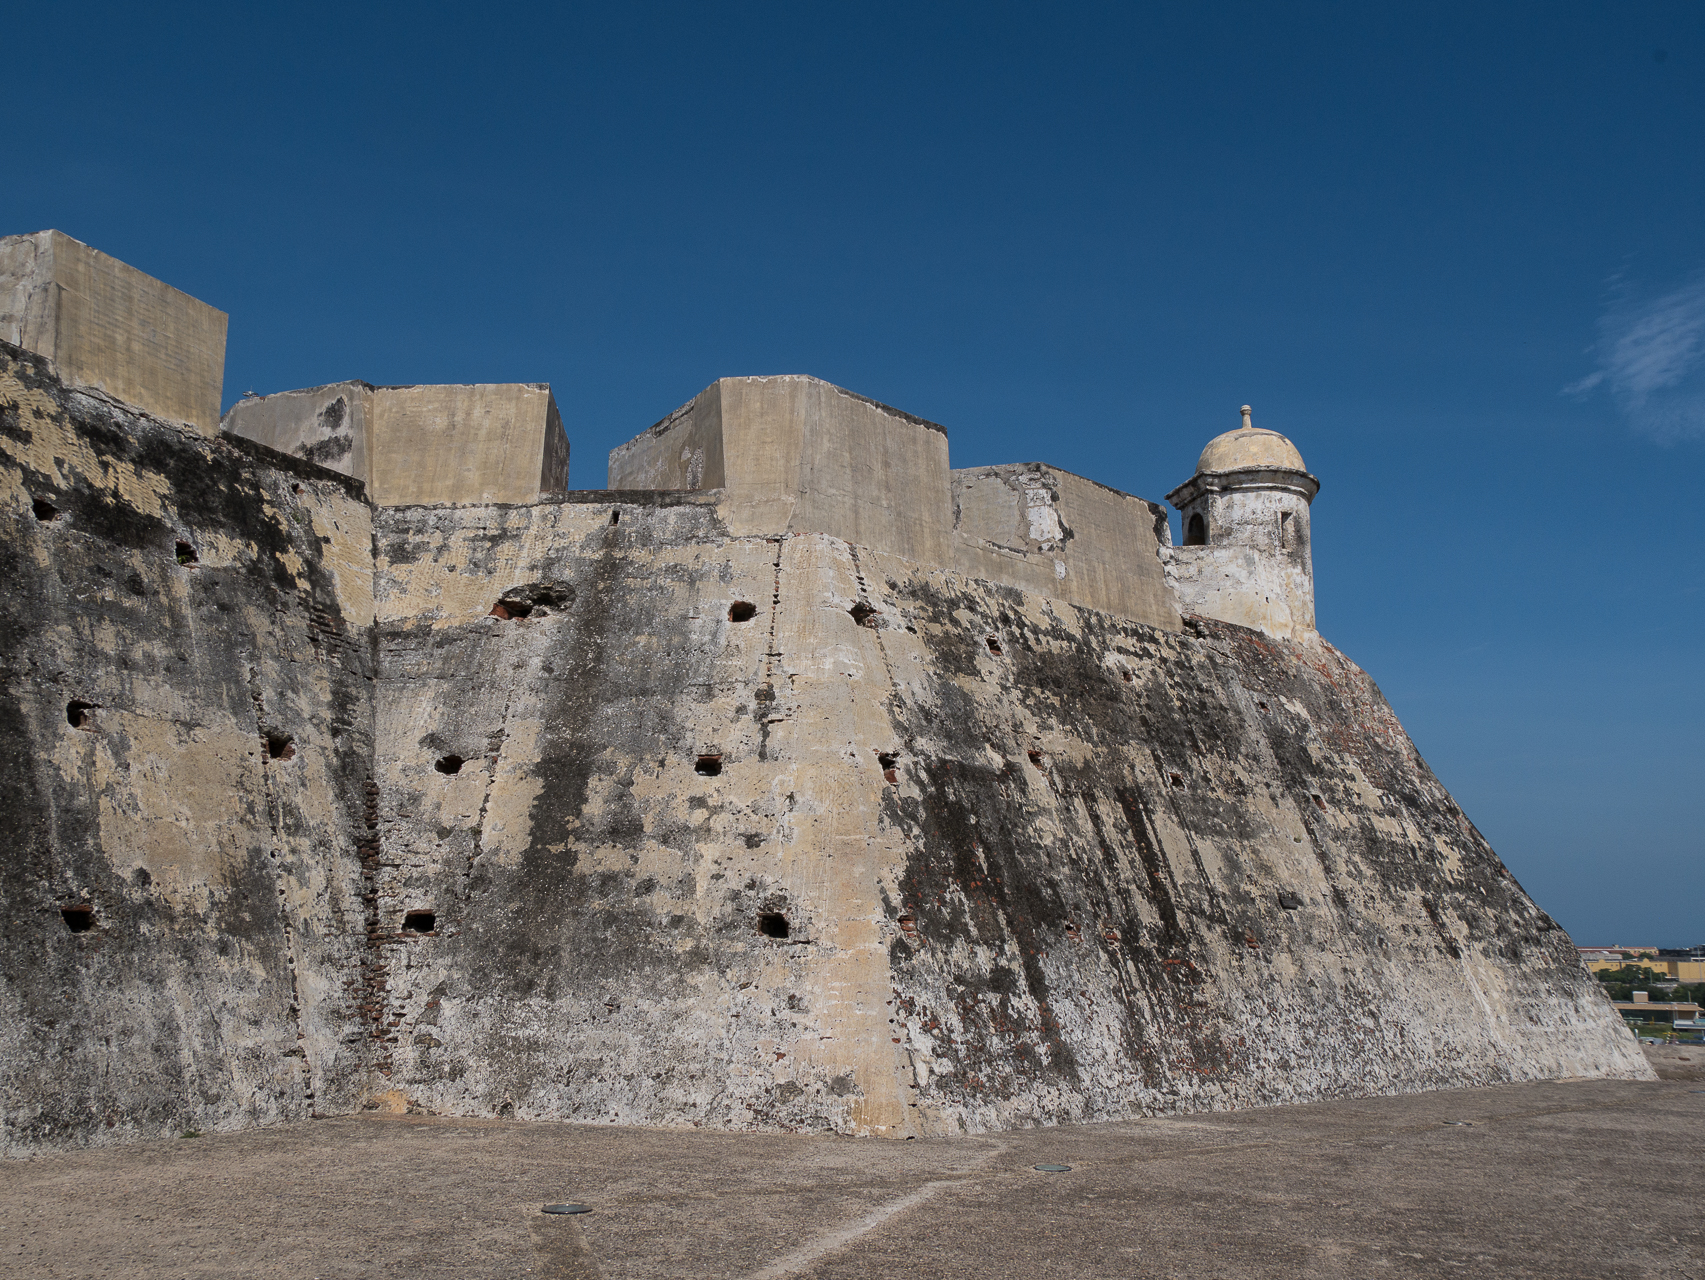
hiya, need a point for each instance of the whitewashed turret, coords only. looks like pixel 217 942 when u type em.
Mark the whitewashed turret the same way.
pixel 1245 557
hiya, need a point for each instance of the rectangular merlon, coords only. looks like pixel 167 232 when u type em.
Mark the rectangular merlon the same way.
pixel 111 328
pixel 795 454
pixel 491 442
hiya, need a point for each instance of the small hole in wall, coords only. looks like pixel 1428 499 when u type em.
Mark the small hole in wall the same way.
pixel 615 517
pixel 186 554
pixel 1196 532
pixel 279 745
pixel 863 614
pixel 1262 705
pixel 77 714
pixel 772 925
pixel 295 488
pixel 79 917
pixel 708 766
pixel 1318 802
pixel 994 645
pixel 1127 676
pixel 742 611
pixel 1035 758
pixel 1176 779
pixel 419 922
pixel 449 764
pixel 889 763
pixel 44 510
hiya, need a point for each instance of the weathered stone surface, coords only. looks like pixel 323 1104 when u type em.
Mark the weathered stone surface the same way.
pixel 187 729
pixel 488 442
pixel 107 326
pixel 599 808
pixel 1020 887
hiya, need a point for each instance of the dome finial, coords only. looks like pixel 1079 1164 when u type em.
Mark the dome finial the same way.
pixel 1247 424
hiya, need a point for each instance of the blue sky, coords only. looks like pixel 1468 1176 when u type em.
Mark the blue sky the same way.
pixel 1454 251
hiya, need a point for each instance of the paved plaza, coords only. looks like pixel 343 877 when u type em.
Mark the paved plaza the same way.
pixel 1589 1178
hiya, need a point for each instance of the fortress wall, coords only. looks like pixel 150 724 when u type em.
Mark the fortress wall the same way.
pixel 224 906
pixel 107 326
pixel 483 443
pixel 489 442
pixel 1224 877
pixel 1152 912
pixel 1036 862
pixel 1045 530
pixel 597 955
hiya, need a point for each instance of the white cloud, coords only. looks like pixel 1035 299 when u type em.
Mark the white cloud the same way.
pixel 1651 356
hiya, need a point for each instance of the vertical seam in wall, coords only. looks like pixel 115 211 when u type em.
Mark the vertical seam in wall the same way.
pixel 494 751
pixel 864 598
pixel 372 983
pixel 1219 916
pixel 770 654
pixel 275 821
pixel 905 1073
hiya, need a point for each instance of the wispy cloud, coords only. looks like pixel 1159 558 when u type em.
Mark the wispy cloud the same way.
pixel 1651 358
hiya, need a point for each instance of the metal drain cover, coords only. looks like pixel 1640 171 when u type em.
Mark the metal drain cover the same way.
pixel 1052 1168
pixel 568 1208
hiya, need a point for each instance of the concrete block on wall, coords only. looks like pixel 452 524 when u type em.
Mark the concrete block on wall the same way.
pixel 109 327
pixel 492 442
pixel 796 454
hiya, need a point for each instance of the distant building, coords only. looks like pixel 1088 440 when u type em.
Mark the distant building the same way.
pixel 1642 1009
pixel 1680 970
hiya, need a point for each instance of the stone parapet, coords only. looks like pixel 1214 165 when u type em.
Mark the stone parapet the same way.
pixel 1034 526
pixel 412 445
pixel 109 327
pixel 795 454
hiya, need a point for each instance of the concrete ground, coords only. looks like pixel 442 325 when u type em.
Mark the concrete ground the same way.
pixel 1677 1061
pixel 1591 1178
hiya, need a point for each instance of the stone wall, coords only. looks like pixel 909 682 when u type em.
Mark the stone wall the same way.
pixel 1049 532
pixel 795 454
pixel 1035 862
pixel 483 442
pixel 598 808
pixel 107 326
pixel 185 652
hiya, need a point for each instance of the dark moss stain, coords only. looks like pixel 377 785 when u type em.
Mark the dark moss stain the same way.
pixel 599 707
pixel 111 1049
